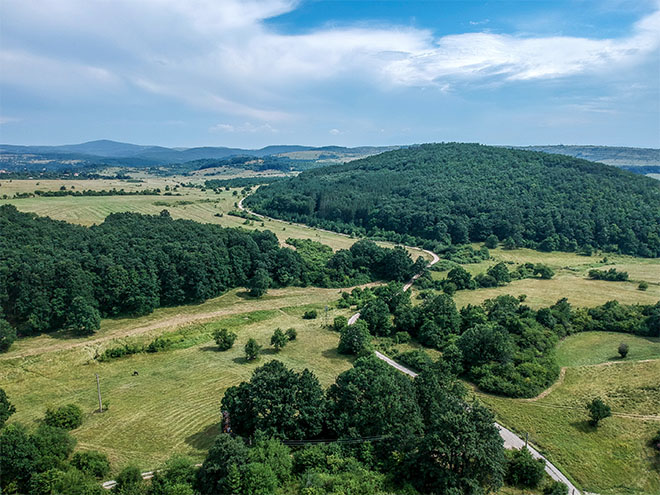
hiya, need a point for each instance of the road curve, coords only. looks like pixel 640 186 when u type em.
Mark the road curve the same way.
pixel 511 440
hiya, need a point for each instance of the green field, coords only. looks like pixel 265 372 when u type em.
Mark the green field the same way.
pixel 614 458
pixel 193 204
pixel 570 280
pixel 173 405
pixel 601 347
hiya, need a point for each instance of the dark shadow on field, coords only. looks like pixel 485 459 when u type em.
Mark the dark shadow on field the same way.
pixel 240 360
pixel 67 335
pixel 584 426
pixel 269 352
pixel 333 355
pixel 203 440
pixel 213 348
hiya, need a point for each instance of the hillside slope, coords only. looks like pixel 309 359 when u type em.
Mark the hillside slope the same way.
pixel 454 193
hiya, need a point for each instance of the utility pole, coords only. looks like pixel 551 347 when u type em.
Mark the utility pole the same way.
pixel 98 388
pixel 325 317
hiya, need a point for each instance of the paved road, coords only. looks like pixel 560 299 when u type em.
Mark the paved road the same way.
pixel 511 440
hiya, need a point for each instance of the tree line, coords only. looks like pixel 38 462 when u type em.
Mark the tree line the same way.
pixel 502 345
pixel 437 195
pixel 58 275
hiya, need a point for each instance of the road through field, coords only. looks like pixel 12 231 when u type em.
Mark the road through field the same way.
pixel 511 440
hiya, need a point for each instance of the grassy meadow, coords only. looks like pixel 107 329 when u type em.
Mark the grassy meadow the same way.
pixel 570 280
pixel 615 458
pixel 173 404
pixel 193 204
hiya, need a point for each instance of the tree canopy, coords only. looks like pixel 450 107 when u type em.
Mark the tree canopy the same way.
pixel 441 194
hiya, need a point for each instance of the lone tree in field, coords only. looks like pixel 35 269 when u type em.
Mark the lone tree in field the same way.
pixel 291 334
pixel 224 338
pixel 279 339
pixel 598 411
pixel 623 350
pixel 252 350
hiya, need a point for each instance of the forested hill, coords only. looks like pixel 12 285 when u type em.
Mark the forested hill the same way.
pixel 438 194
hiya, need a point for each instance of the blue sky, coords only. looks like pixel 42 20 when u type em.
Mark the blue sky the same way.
pixel 255 72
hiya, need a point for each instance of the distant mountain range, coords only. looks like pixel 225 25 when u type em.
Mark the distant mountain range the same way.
pixel 106 152
pixel 115 153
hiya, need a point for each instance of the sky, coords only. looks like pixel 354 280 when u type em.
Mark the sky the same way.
pixel 250 73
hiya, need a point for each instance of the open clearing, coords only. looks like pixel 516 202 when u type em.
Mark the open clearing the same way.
pixel 616 457
pixel 570 280
pixel 173 405
pixel 600 347
pixel 193 204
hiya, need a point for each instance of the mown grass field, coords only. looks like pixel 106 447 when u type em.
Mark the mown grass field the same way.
pixel 193 204
pixel 570 280
pixel 615 458
pixel 173 405
pixel 601 347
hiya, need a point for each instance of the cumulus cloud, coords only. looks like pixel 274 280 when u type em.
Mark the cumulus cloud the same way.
pixel 221 56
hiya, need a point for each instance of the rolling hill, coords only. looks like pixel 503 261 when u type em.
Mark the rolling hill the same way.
pixel 442 194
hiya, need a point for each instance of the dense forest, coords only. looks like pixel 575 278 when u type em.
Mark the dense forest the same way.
pixel 436 195
pixel 58 275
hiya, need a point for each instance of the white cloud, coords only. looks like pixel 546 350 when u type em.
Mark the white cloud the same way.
pixel 246 127
pixel 7 120
pixel 335 132
pixel 221 57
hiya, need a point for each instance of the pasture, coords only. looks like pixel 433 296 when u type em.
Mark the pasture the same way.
pixel 570 280
pixel 193 204
pixel 173 404
pixel 614 458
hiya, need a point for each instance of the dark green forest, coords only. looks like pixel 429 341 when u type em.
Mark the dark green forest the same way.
pixel 57 275
pixel 436 195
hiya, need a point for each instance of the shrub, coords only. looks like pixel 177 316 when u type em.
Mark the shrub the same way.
pixel 279 339
pixel 252 350
pixel 643 285
pixel 402 337
pixel 555 488
pixel 416 359
pixel 655 441
pixel 449 288
pixel 523 470
pixel 291 334
pixel 623 350
pixel 158 344
pixel 611 275
pixel 7 335
pixel 339 323
pixel 68 417
pixel 92 462
pixel 224 338
pixel 310 315
pixel 491 241
pixel 6 408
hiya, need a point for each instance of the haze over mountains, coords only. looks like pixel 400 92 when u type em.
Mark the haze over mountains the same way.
pixel 643 160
